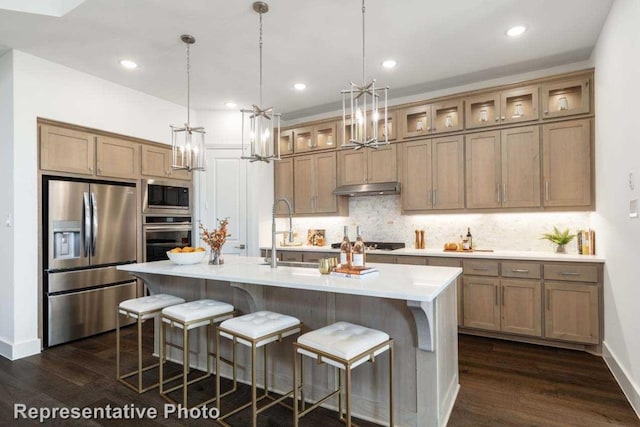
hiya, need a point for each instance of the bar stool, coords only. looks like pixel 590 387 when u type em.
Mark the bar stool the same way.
pixel 141 309
pixel 188 316
pixel 345 346
pixel 255 330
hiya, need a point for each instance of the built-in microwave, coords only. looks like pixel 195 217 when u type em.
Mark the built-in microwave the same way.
pixel 166 197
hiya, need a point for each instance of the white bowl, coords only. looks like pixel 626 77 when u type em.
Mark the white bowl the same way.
pixel 184 258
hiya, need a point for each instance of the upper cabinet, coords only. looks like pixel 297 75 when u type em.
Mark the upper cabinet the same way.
pixel 318 137
pixel 286 142
pixel 367 166
pixel 503 168
pixel 430 119
pixel 283 181
pixel 314 182
pixel 499 108
pixel 66 150
pixel 567 163
pixel 391 129
pixel 565 98
pixel 117 158
pixel 156 162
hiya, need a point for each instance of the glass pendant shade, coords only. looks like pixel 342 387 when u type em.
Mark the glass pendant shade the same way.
pixel 187 142
pixel 260 134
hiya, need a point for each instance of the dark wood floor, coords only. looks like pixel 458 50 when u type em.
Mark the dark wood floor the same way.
pixel 502 384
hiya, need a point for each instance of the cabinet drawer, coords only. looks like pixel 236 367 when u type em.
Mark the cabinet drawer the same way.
pixel 316 256
pixel 528 270
pixel 480 267
pixel 412 260
pixel 571 272
pixel 383 259
pixel 444 262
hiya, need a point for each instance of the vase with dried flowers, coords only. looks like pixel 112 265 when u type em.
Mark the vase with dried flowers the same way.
pixel 215 239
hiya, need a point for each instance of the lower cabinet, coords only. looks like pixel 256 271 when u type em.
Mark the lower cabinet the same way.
pixel 521 307
pixel 572 312
pixel 481 302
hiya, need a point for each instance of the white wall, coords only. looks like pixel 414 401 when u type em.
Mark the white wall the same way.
pixel 618 153
pixel 6 200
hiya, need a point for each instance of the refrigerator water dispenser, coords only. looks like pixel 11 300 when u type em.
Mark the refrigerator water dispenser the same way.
pixel 66 242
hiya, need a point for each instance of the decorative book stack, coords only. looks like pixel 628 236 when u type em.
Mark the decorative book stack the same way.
pixel 586 242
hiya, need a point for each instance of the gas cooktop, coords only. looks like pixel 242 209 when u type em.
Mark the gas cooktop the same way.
pixel 381 246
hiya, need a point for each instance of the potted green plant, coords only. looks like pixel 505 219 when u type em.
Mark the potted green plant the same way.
pixel 560 238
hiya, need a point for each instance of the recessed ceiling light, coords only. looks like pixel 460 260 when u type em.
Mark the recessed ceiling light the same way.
pixel 389 63
pixel 299 86
pixel 516 31
pixel 128 64
pixel 230 104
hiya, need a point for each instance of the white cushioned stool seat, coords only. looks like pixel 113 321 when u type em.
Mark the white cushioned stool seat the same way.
pixel 193 311
pixel 259 324
pixel 148 306
pixel 343 340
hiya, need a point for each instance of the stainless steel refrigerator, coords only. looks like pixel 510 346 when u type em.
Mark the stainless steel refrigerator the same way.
pixel 89 229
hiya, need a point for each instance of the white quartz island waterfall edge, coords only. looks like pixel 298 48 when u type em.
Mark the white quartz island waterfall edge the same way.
pixel 416 305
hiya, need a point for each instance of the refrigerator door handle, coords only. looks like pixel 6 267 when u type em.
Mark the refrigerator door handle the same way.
pixel 94 229
pixel 87 222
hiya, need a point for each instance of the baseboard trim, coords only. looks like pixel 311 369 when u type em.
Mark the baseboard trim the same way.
pixel 630 390
pixel 452 403
pixel 15 351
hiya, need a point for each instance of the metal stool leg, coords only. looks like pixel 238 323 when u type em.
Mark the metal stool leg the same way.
pixel 295 386
pixel 139 354
pixel 185 364
pixel 347 386
pixel 391 385
pixel 254 397
pixel 117 343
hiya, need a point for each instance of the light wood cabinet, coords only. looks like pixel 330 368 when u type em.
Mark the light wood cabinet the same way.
pixel 283 184
pixel 156 162
pixel 344 134
pixel 117 158
pixel 565 98
pixel 286 142
pixel 433 174
pixel 424 120
pixel 66 150
pixel 481 302
pixel 314 183
pixel 317 137
pixel 366 166
pixel 567 163
pixel 571 312
pixel 505 107
pixel 503 168
pixel 521 307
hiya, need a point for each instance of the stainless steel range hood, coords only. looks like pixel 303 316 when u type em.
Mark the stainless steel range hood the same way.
pixel 368 189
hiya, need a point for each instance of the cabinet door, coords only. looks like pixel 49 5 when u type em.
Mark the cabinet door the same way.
pixel 179 173
pixel 447 116
pixel 520 167
pixel 482 110
pixel 324 136
pixel 566 163
pixel 325 183
pixel 521 307
pixel 483 170
pixel 382 164
pixel 519 105
pixel 286 142
pixel 352 166
pixel 447 162
pixel 565 98
pixel 66 150
pixel 571 312
pixel 416 191
pixel 392 126
pixel 283 180
pixel 303 139
pixel 481 299
pixel 156 161
pixel 416 121
pixel 116 158
pixel 303 187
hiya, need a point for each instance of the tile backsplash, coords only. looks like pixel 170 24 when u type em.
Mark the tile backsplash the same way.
pixel 380 220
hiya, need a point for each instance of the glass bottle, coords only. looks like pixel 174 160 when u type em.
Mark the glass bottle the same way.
pixel 358 257
pixel 469 238
pixel 345 249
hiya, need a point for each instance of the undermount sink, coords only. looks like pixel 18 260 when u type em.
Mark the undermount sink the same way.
pixel 294 264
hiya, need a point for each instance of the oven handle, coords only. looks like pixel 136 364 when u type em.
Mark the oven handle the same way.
pixel 167 228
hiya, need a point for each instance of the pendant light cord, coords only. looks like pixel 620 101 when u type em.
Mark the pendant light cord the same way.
pixel 260 44
pixel 363 62
pixel 188 84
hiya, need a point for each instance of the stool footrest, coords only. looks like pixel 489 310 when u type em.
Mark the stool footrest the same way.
pixel 318 403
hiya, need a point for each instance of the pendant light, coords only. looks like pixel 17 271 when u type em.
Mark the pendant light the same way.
pixel 361 114
pixel 261 126
pixel 187 143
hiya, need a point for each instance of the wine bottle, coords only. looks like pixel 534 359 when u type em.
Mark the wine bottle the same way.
pixel 469 238
pixel 345 249
pixel 358 257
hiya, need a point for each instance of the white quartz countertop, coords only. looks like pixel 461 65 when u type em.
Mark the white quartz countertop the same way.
pixel 496 254
pixel 405 282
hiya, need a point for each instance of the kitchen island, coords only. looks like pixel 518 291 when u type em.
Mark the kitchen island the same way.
pixel 415 305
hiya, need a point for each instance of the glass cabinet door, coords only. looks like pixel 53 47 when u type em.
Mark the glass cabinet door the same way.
pixel 286 142
pixel 482 110
pixel 416 121
pixel 565 98
pixel 519 105
pixel 447 116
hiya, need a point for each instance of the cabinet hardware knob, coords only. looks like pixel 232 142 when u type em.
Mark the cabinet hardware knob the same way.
pixel 504 118
pixel 90 168
pixel 519 270
pixel 569 273
pixel 497 119
pixel 546 112
pixel 480 269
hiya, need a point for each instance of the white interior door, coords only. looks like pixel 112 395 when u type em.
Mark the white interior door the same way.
pixel 224 195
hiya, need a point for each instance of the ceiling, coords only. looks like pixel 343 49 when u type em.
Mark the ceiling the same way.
pixel 437 43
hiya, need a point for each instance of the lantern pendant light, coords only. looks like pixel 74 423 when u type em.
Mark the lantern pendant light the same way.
pixel 261 126
pixel 361 114
pixel 187 142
